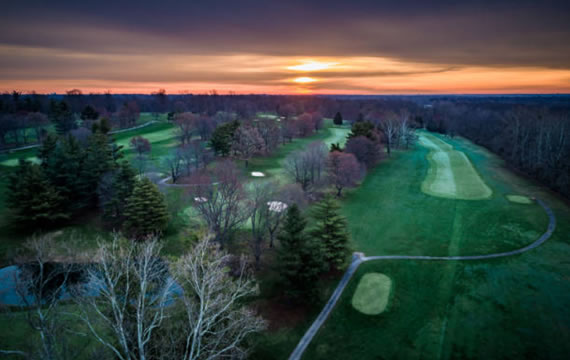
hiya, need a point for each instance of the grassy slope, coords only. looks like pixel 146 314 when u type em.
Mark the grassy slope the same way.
pixel 505 308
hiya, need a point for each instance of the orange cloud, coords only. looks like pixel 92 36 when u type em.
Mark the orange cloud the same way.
pixel 48 70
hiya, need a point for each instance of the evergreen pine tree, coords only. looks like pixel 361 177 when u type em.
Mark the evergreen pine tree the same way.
pixel 98 161
pixel 330 230
pixel 221 139
pixel 145 212
pixel 89 113
pixel 362 129
pixel 114 192
pixel 61 115
pixel 47 149
pixel 63 168
pixel 300 259
pixel 31 198
pixel 337 120
pixel 335 147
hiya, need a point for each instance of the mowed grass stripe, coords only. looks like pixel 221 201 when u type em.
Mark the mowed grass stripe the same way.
pixel 451 173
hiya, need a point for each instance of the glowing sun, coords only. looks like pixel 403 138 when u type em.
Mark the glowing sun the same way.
pixel 304 80
pixel 312 66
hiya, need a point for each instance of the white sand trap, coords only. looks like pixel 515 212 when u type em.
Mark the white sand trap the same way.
pixel 372 293
pixel 277 206
pixel 519 199
pixel 257 174
pixel 200 199
pixel 451 174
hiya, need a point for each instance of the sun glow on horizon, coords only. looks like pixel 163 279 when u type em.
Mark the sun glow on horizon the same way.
pixel 304 80
pixel 312 66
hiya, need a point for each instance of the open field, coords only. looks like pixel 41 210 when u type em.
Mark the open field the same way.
pixel 515 307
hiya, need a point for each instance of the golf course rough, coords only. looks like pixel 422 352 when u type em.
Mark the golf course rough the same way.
pixel 451 174
pixel 372 293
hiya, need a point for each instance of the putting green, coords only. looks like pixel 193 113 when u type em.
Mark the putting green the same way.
pixel 372 293
pixel 519 199
pixel 451 174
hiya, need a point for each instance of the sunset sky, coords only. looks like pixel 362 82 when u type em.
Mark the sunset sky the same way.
pixel 286 47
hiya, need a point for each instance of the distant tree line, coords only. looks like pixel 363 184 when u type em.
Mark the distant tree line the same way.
pixel 534 139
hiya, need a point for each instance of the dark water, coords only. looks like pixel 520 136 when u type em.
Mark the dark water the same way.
pixel 20 284
pixel 13 292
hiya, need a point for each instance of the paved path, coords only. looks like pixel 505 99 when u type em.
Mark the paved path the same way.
pixel 359 258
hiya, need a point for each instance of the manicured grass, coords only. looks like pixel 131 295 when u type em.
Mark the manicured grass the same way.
pixel 389 214
pixel 372 294
pixel 451 174
pixel 271 166
pixel 519 199
pixel 516 307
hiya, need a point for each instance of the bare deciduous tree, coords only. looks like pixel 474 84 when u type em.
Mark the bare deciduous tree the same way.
pixel 406 133
pixel 260 212
pixel 134 288
pixel 216 322
pixel 247 142
pixel 186 125
pixel 41 285
pixel 389 126
pixel 173 163
pixel 307 167
pixel 221 200
pixel 343 170
pixel 269 131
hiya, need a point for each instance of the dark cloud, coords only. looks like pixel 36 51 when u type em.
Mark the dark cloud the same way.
pixel 201 42
pixel 498 33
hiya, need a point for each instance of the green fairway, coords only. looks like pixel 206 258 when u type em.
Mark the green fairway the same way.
pixel 151 134
pixel 389 214
pixel 514 307
pixel 271 166
pixel 372 293
pixel 451 174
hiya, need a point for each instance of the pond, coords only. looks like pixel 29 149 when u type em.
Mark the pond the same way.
pixel 20 284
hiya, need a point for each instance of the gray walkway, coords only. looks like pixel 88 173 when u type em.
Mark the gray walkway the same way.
pixel 358 259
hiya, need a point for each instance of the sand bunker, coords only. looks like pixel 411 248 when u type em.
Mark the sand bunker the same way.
pixel 451 174
pixel 519 199
pixel 372 294
pixel 276 206
pixel 257 174
pixel 200 199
